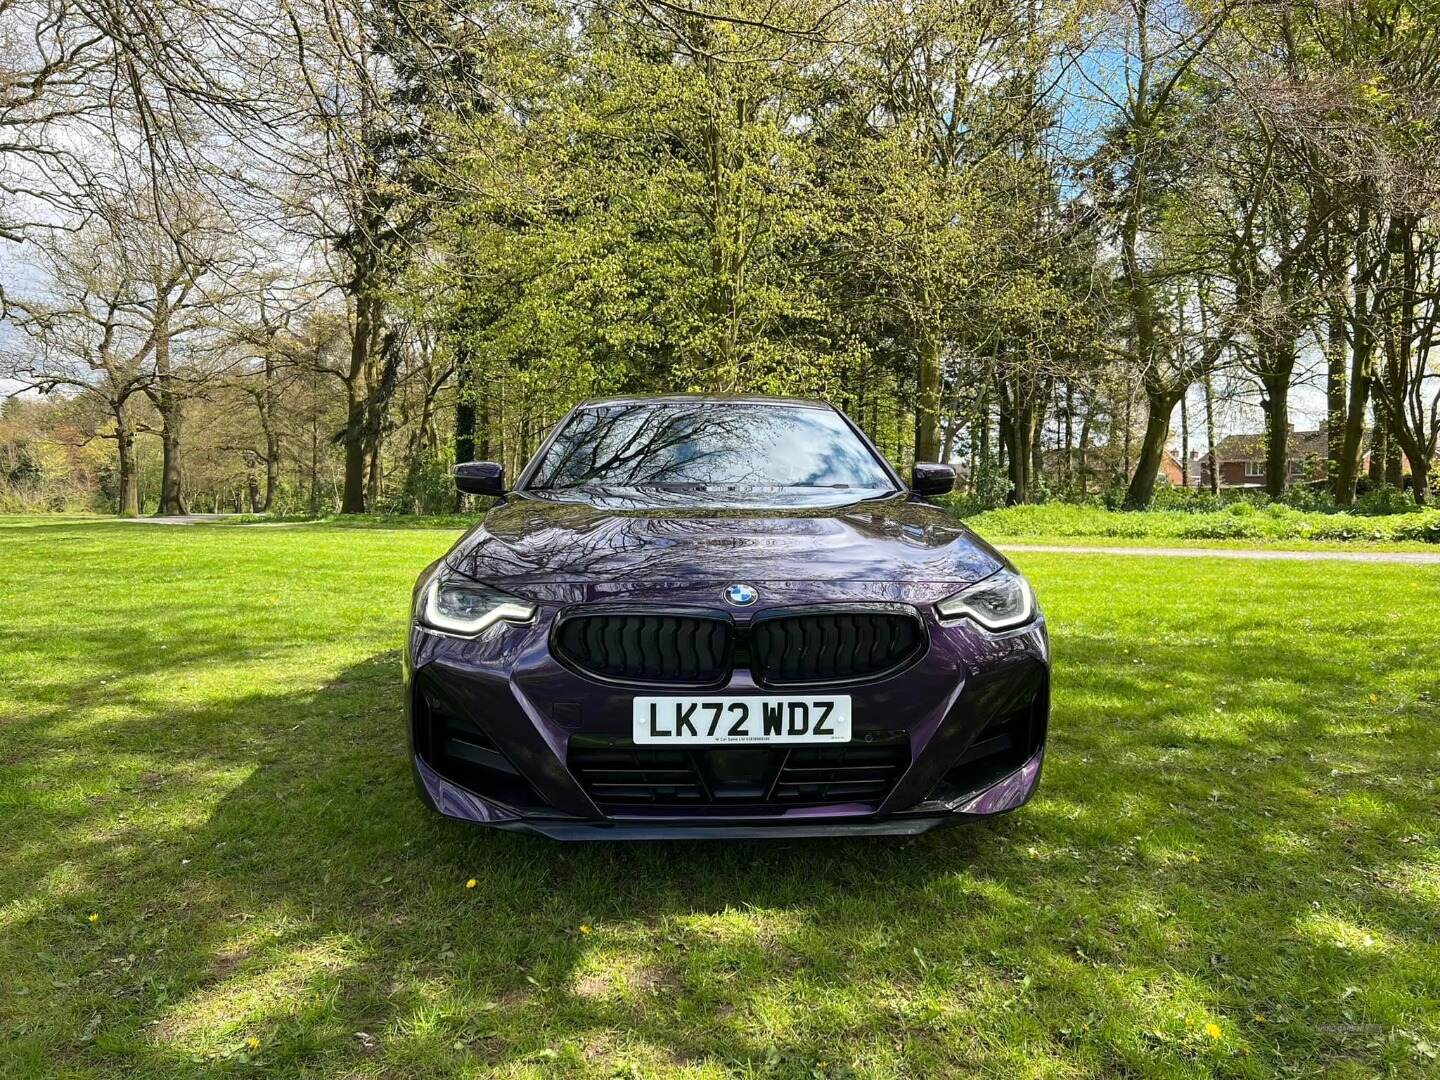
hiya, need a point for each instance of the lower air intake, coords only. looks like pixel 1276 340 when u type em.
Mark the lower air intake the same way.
pixel 627 775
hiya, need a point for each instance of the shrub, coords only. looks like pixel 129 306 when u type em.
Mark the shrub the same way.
pixel 1190 500
pixel 1244 520
pixel 1384 499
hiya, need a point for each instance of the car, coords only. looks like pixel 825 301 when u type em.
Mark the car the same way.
pixel 711 616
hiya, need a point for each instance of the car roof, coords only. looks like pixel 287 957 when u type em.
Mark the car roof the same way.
pixel 691 399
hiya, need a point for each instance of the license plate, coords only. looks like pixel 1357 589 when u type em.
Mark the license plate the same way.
pixel 713 721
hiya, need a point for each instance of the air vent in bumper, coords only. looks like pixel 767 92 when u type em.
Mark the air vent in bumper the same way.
pixel 856 772
pixel 621 775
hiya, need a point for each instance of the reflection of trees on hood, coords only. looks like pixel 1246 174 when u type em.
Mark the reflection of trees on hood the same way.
pixel 568 540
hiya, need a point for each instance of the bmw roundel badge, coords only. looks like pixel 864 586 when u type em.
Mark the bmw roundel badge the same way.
pixel 740 595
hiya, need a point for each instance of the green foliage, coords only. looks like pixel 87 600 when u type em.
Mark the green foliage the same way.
pixel 710 205
pixel 1240 520
pixel 428 488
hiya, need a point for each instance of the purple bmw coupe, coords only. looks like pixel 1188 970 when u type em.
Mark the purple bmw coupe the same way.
pixel 721 617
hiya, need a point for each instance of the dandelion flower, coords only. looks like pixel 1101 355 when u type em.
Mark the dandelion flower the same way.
pixel 252 1043
pixel 584 928
pixel 94 916
pixel 1213 1030
pixel 471 883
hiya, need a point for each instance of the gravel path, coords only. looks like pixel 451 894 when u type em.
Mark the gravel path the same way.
pixel 177 519
pixel 1421 558
pixel 1417 558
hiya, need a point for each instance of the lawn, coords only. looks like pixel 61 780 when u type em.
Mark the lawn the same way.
pixel 214 863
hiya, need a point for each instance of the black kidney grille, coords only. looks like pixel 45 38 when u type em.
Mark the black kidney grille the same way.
pixel 823 647
pixel 651 648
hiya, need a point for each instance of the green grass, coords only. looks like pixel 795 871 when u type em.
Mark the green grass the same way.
pixel 1241 523
pixel 213 862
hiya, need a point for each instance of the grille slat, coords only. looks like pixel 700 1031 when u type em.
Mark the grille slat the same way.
pixel 645 647
pixel 833 646
pixel 636 775
pixel 805 648
pixel 836 773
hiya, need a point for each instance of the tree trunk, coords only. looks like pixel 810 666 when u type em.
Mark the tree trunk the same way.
pixel 1037 448
pixel 268 405
pixel 947 446
pixel 1394 463
pixel 1362 351
pixel 1184 443
pixel 167 401
pixel 1420 480
pixel 128 480
pixel 1016 437
pixel 272 470
pixel 1352 447
pixel 172 502
pixel 252 483
pixel 1129 439
pixel 374 470
pixel 927 400
pixel 352 499
pixel 464 408
pixel 1335 394
pixel 1277 431
pixel 1379 444
pixel 1002 447
pixel 980 442
pixel 1210 435
pixel 380 376
pixel 1159 405
pixel 1069 450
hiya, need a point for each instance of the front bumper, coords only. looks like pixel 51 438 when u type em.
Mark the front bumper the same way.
pixel 496 723
pixel 452 801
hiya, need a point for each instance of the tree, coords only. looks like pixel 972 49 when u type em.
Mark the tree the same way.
pixel 87 332
pixel 350 191
pixel 1143 159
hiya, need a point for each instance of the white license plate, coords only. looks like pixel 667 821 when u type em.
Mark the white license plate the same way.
pixel 710 721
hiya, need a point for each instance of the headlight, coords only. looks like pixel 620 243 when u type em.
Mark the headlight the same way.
pixel 466 608
pixel 1002 601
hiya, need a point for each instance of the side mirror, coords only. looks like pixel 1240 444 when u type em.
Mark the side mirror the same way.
pixel 480 478
pixel 930 479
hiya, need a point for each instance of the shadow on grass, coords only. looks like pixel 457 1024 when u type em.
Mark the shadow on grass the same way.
pixel 270 875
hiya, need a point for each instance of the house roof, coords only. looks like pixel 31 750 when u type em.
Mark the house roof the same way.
pixel 1251 447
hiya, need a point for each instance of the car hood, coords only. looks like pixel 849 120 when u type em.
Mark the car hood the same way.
pixel 535 541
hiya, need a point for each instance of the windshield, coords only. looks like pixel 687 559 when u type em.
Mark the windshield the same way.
pixel 774 454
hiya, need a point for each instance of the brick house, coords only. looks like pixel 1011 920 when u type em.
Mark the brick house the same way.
pixel 1242 459
pixel 1172 471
